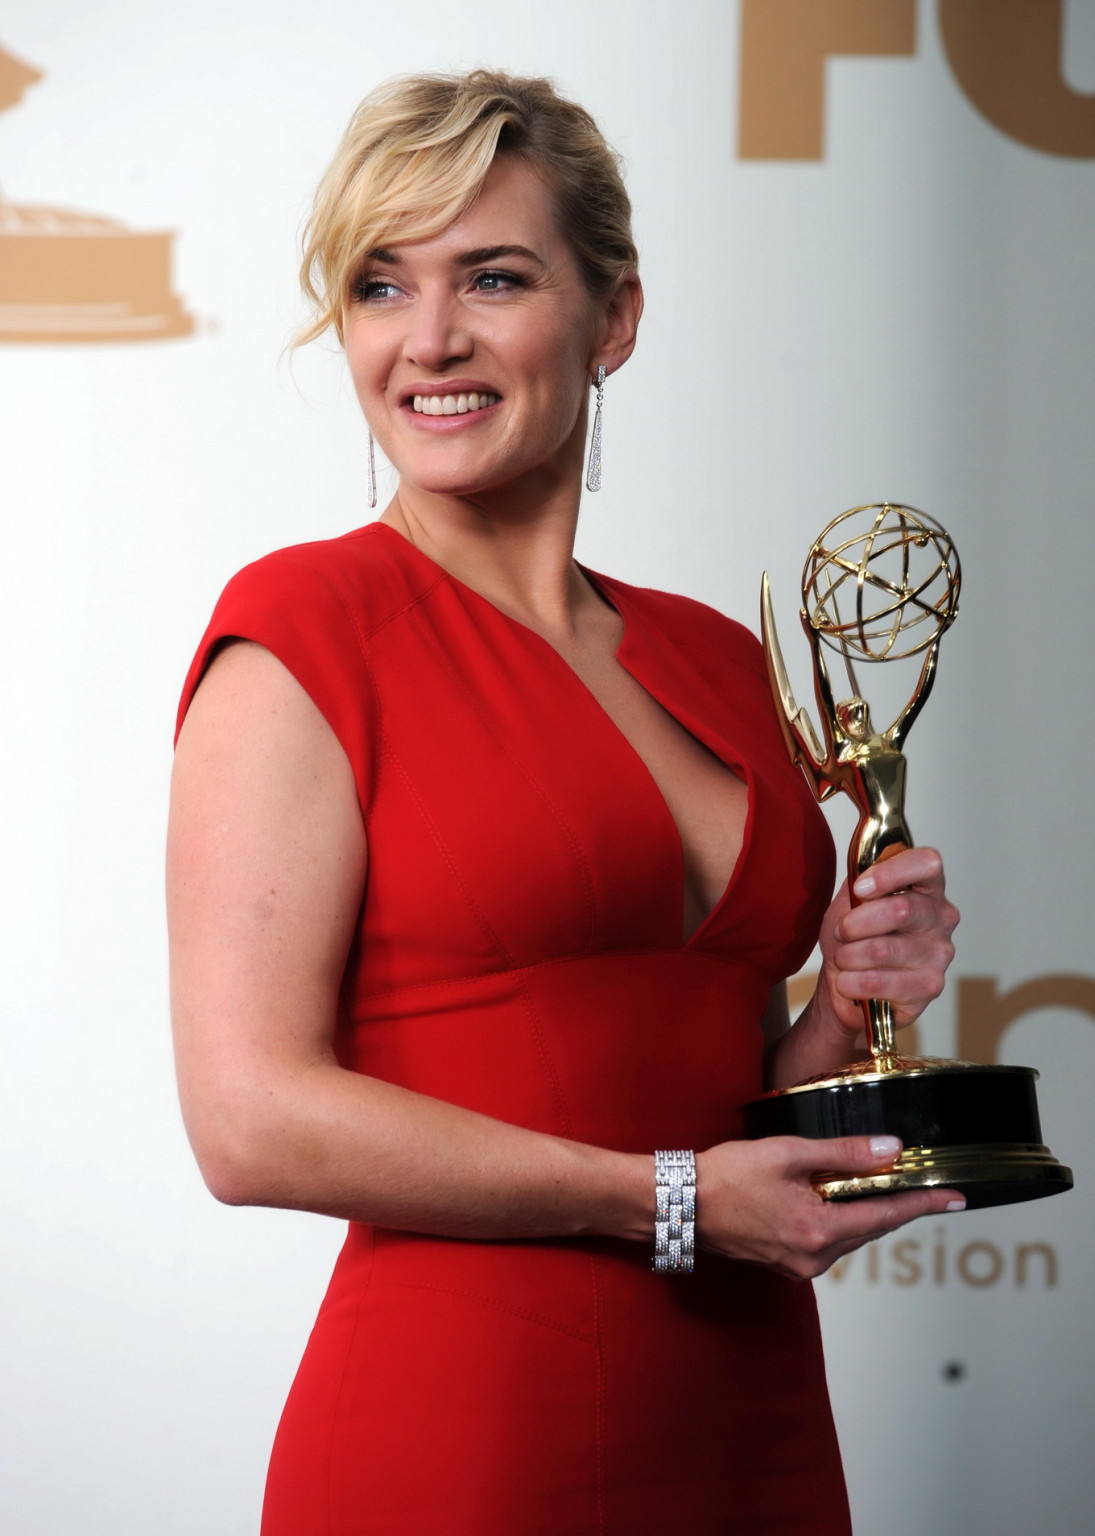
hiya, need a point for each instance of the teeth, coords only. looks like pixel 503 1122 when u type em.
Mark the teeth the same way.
pixel 453 405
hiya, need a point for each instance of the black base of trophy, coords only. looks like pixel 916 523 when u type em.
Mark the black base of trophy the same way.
pixel 965 1127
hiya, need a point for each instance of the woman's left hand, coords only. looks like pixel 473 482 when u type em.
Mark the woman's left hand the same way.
pixel 894 944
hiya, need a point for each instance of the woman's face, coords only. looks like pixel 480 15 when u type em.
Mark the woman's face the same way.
pixel 471 352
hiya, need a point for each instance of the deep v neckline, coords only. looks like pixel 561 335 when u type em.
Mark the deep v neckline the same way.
pixel 606 589
pixel 631 642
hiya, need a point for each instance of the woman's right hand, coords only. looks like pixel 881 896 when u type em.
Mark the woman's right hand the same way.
pixel 755 1201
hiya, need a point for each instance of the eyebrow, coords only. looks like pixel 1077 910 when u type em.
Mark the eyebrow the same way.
pixel 476 258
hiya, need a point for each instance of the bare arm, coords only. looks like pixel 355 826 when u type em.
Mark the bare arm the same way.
pixel 267 862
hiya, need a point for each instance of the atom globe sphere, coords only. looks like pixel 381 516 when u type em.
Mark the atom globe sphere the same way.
pixel 881 582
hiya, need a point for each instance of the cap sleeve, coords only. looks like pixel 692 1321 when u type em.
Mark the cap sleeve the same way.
pixel 295 610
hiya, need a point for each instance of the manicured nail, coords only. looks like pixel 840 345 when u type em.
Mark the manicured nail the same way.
pixel 956 1205
pixel 864 886
pixel 885 1146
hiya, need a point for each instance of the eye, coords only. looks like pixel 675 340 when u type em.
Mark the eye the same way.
pixel 373 290
pixel 496 281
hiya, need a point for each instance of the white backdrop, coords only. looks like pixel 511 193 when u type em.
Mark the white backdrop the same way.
pixel 908 316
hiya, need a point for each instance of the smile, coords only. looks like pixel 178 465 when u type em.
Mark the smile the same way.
pixel 453 405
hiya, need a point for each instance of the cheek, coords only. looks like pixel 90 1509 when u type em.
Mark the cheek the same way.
pixel 363 360
pixel 559 369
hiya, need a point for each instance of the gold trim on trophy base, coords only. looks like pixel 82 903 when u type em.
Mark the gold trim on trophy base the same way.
pixel 1027 1171
pixel 876 1070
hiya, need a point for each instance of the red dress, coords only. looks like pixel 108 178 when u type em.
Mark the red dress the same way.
pixel 519 952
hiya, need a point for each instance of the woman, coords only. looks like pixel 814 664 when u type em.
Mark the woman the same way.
pixel 485 875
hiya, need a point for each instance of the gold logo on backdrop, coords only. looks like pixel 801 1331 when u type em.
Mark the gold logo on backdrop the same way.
pixel 940 1259
pixel 67 276
pixel 784 48
pixel 1004 54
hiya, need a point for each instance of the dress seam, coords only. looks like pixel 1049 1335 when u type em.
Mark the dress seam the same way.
pixel 567 1124
pixel 578 956
pixel 414 602
pixel 346 598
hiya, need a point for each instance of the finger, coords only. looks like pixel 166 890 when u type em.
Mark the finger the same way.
pixel 906 987
pixel 896 952
pixel 831 1228
pixel 921 867
pixel 873 1216
pixel 908 911
pixel 836 1154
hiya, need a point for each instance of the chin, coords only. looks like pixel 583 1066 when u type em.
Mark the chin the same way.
pixel 448 482
pixel 464 480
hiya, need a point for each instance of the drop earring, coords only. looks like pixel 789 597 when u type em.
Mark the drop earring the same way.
pixel 593 472
pixel 370 471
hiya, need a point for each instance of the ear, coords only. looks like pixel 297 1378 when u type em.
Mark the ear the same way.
pixel 619 325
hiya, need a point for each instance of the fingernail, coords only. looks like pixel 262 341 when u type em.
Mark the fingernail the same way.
pixel 864 886
pixel 885 1146
pixel 956 1205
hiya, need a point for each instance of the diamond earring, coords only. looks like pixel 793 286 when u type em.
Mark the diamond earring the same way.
pixel 370 471
pixel 593 472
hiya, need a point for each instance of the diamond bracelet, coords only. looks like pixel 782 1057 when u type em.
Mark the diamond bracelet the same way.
pixel 674 1212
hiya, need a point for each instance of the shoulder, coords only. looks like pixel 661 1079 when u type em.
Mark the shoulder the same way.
pixel 361 579
pixel 689 624
pixel 316 607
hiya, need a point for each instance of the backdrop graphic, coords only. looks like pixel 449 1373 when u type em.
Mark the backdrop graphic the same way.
pixel 866 231
pixel 70 276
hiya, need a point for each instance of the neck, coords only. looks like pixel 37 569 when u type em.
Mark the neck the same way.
pixel 520 558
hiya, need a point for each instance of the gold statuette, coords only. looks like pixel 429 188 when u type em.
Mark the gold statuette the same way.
pixel 881 584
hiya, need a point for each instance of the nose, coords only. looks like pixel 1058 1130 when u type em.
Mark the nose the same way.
pixel 438 334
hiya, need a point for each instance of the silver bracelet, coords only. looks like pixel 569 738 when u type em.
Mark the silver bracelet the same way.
pixel 674 1213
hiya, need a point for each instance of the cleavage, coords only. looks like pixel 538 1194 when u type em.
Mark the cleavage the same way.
pixel 707 801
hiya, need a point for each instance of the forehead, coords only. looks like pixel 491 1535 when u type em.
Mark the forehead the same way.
pixel 513 208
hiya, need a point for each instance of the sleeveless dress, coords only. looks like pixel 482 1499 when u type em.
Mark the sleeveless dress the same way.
pixel 519 952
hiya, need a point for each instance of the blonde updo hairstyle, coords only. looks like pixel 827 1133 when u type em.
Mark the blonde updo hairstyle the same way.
pixel 415 156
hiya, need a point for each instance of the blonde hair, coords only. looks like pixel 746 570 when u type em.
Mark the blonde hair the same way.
pixel 415 156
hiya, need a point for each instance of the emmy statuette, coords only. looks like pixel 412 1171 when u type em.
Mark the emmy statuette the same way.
pixel 880 584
